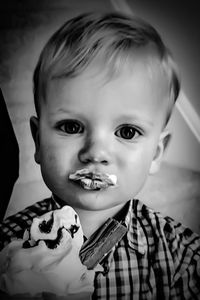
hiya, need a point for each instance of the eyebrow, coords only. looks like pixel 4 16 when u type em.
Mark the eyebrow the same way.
pixel 135 118
pixel 62 111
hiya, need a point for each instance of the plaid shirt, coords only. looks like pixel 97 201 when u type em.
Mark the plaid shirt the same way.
pixel 157 258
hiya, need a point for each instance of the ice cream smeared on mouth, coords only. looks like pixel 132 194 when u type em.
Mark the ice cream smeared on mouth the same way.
pixel 93 180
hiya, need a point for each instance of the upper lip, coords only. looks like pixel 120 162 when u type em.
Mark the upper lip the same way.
pixel 91 174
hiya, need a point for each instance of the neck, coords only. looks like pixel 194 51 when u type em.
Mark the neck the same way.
pixel 92 220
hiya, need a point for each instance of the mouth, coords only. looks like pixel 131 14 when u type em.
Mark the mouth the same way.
pixel 94 181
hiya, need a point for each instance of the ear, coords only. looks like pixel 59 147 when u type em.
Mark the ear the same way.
pixel 34 125
pixel 163 143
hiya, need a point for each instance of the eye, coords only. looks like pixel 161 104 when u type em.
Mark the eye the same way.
pixel 127 132
pixel 71 127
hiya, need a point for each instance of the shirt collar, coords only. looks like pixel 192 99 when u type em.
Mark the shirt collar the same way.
pixel 135 234
pixel 55 203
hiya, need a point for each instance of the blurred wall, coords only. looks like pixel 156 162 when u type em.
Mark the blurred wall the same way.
pixel 178 21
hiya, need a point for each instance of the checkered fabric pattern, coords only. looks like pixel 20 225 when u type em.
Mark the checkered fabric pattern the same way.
pixel 156 259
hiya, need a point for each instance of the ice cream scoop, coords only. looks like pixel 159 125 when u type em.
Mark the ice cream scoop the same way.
pixel 47 258
pixel 90 180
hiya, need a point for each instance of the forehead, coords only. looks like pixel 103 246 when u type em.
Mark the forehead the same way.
pixel 136 94
pixel 141 78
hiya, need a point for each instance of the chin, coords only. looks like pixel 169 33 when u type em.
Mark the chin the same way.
pixel 91 200
pixel 96 201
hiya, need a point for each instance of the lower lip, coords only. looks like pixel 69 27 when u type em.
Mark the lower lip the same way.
pixel 94 186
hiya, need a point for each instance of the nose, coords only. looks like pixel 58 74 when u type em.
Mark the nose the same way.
pixel 95 151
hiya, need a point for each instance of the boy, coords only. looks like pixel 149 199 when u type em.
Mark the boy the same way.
pixel 104 89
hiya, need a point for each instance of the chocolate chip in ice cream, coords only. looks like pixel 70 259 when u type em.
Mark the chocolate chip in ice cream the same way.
pixel 73 229
pixel 52 244
pixel 46 226
pixel 26 245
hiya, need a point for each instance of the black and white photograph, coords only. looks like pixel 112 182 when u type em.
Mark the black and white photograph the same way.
pixel 100 150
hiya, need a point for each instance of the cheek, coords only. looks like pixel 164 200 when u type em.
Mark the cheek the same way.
pixel 135 157
pixel 54 160
pixel 51 166
pixel 137 171
pixel 57 151
pixel 54 169
pixel 135 165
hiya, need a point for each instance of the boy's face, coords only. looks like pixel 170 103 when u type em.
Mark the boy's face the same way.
pixel 108 126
